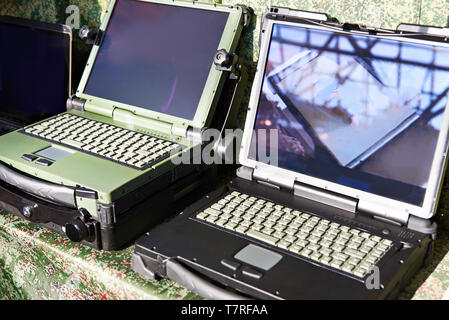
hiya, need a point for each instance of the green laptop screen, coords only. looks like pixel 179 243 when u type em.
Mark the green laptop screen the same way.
pixel 156 56
pixel 359 111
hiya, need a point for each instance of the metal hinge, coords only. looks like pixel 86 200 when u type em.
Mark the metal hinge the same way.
pixel 385 212
pixel 272 177
pixel 106 214
pixel 423 225
pixel 247 15
pixel 74 103
pixel 327 197
pixel 245 173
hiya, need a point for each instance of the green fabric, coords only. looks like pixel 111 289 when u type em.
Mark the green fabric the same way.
pixel 38 264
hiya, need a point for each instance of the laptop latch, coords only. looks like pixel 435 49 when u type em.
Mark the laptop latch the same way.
pixel 327 197
pixel 424 30
pixel 91 36
pixel 228 62
pixel 232 64
pixel 247 15
pixel 75 103
pixel 287 12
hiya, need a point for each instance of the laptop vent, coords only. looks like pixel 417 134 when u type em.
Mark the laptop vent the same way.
pixel 406 235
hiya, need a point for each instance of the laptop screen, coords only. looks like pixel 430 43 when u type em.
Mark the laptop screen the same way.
pixel 34 70
pixel 156 56
pixel 359 111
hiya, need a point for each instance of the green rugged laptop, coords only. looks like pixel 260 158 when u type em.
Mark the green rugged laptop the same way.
pixel 150 82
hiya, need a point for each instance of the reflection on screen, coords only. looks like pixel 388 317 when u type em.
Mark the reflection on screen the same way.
pixel 34 72
pixel 359 111
pixel 156 56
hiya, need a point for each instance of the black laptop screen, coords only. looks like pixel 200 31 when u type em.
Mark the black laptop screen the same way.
pixel 359 111
pixel 34 70
pixel 157 56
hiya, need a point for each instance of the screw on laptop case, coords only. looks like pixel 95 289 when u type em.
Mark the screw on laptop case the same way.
pixel 102 173
pixel 309 218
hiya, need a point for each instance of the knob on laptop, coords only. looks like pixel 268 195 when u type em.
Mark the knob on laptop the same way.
pixel 28 211
pixel 77 230
pixel 89 35
pixel 223 59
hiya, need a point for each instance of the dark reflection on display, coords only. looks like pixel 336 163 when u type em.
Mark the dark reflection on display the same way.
pixel 34 72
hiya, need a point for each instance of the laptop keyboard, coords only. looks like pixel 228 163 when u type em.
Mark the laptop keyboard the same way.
pixel 120 145
pixel 316 239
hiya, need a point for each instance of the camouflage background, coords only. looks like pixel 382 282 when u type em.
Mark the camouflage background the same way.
pixel 38 264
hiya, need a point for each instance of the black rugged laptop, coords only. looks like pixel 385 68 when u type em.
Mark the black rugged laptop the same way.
pixel 35 71
pixel 343 156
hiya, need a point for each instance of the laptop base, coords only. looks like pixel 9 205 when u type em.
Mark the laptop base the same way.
pixel 116 229
pixel 153 256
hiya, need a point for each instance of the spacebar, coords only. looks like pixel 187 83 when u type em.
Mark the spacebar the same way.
pixel 262 236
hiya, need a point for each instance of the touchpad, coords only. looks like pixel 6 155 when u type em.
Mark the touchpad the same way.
pixel 53 153
pixel 258 257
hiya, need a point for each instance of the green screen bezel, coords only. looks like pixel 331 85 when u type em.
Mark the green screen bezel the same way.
pixel 215 77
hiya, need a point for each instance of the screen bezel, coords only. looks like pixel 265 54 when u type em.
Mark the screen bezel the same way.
pixel 384 206
pixel 212 86
pixel 59 29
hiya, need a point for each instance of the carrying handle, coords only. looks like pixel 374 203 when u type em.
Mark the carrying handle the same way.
pixel 56 193
pixel 178 273
pixel 77 224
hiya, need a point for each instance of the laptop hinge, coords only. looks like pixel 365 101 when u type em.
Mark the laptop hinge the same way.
pixel 273 178
pixel 384 212
pixel 245 173
pixel 99 108
pixel 327 197
pixel 264 177
pixel 75 103
pixel 126 116
pixel 180 130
